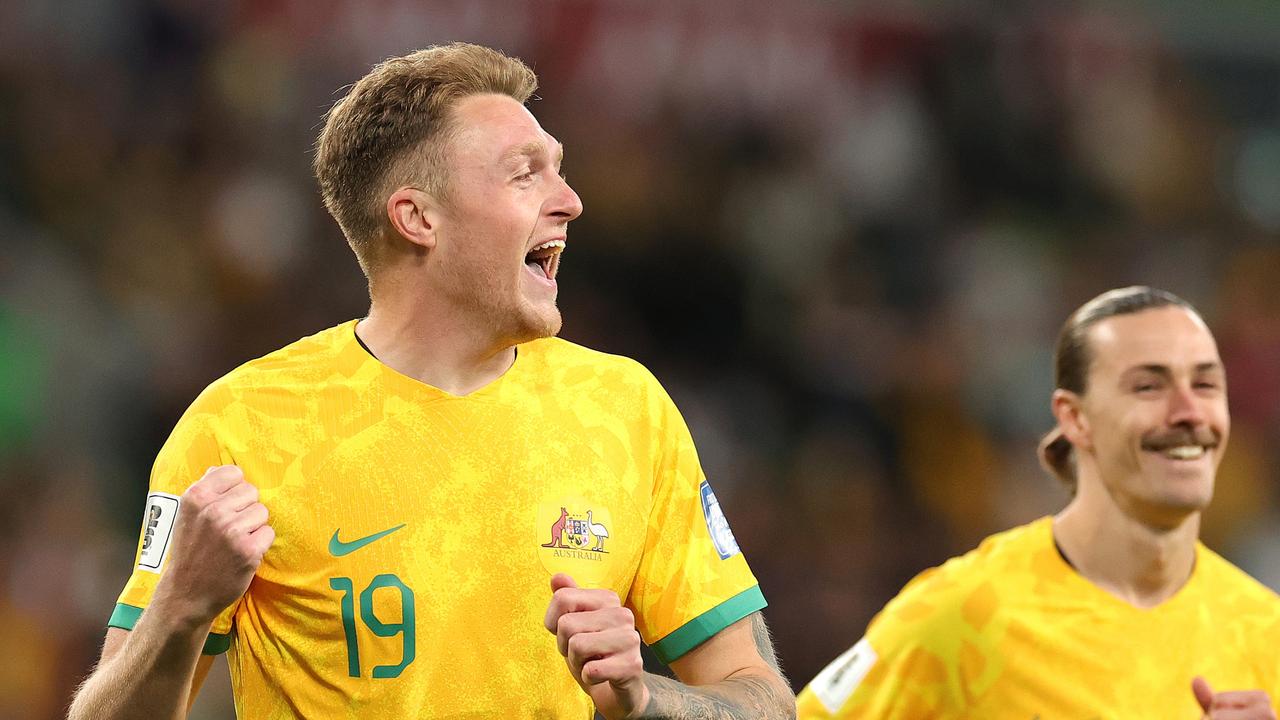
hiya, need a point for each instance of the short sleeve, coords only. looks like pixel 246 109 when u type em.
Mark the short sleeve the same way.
pixel 904 668
pixel 692 580
pixel 192 448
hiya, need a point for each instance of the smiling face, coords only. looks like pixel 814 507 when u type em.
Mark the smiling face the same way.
pixel 499 237
pixel 1152 424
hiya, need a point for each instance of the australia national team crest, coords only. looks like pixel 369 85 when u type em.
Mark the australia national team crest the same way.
pixel 575 536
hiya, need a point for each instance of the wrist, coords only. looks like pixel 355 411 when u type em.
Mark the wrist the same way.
pixel 178 615
pixel 653 689
pixel 646 699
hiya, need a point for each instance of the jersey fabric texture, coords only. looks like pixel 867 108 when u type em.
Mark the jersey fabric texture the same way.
pixel 1010 630
pixel 417 531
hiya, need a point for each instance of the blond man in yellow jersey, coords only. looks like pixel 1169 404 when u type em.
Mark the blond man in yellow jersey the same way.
pixel 440 511
pixel 1112 608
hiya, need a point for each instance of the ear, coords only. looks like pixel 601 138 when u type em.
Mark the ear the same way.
pixel 415 216
pixel 1068 410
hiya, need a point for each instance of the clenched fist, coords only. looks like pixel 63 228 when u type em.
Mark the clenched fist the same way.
pixel 219 537
pixel 598 639
pixel 1232 705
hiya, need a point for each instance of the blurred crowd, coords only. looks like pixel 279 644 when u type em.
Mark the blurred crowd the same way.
pixel 842 234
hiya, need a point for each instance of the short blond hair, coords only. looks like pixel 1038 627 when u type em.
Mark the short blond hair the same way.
pixel 392 128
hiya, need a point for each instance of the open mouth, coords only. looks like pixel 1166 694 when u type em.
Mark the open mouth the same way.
pixel 544 259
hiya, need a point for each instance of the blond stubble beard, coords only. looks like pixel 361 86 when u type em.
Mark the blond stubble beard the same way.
pixel 512 323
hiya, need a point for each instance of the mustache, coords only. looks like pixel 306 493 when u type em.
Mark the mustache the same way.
pixel 1165 439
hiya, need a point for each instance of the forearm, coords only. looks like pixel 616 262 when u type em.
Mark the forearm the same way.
pixel 148 678
pixel 744 697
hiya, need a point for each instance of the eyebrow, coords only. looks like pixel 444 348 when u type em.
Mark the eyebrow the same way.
pixel 531 149
pixel 1165 370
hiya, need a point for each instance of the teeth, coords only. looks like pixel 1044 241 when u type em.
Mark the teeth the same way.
pixel 548 245
pixel 1185 452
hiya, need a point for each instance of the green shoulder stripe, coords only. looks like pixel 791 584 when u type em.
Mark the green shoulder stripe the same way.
pixel 126 616
pixel 700 629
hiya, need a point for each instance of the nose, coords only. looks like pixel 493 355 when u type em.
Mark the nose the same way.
pixel 1186 408
pixel 565 204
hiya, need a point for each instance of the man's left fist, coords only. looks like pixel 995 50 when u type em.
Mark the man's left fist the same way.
pixel 598 639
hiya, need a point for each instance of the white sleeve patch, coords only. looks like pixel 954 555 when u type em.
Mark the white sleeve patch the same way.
pixel 717 523
pixel 837 681
pixel 162 510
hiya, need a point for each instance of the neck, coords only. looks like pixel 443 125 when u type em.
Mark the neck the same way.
pixel 1134 561
pixel 435 345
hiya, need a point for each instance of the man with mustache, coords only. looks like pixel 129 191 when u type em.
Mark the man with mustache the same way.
pixel 1112 608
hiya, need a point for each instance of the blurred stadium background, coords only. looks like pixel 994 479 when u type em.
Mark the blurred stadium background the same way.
pixel 842 234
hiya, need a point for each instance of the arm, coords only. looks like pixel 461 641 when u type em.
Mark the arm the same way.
pixel 146 673
pixel 155 670
pixel 734 674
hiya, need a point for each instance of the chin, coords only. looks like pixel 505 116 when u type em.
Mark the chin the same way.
pixel 1183 505
pixel 1188 497
pixel 538 322
pixel 1178 486
pixel 550 328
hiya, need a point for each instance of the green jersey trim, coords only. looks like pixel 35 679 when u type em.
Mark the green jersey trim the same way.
pixel 126 616
pixel 700 629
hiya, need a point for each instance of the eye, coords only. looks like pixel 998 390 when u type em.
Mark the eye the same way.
pixel 1146 387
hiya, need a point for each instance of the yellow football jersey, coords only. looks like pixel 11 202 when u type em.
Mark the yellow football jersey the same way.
pixel 417 531
pixel 1010 630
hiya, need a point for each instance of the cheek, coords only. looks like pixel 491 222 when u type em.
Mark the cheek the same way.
pixel 1221 422
pixel 1118 431
pixel 509 232
pixel 1221 413
pixel 492 245
pixel 1118 442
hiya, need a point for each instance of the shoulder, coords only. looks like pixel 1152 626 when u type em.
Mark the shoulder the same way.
pixel 300 364
pixel 306 356
pixel 559 352
pixel 262 403
pixel 570 365
pixel 1241 594
pixel 998 558
pixel 940 632
pixel 968 589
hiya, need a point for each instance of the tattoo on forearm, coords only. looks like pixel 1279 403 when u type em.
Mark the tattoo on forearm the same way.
pixel 748 697
pixel 745 698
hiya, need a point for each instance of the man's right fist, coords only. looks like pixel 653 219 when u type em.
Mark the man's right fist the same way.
pixel 219 538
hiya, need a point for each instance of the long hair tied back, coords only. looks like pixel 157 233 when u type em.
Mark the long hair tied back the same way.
pixel 1072 357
